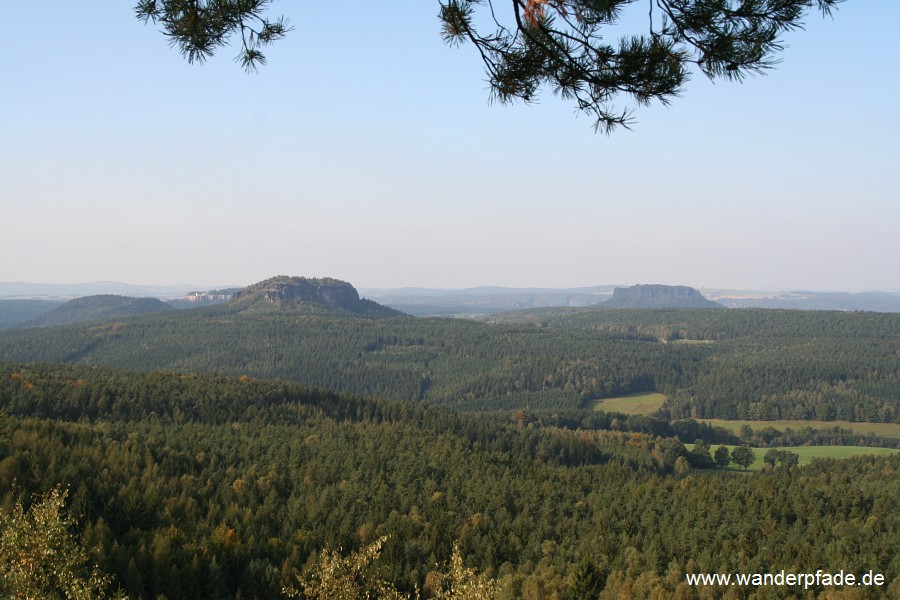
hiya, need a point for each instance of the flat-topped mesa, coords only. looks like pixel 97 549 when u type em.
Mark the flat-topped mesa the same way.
pixel 294 289
pixel 659 296
pixel 288 291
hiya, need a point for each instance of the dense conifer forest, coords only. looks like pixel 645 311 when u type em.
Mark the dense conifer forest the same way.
pixel 733 364
pixel 193 486
pixel 302 438
pixel 229 451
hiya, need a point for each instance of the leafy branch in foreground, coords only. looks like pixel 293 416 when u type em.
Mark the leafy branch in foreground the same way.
pixel 561 44
pixel 346 578
pixel 463 583
pixel 40 558
pixel 198 27
pixel 527 45
pixel 352 577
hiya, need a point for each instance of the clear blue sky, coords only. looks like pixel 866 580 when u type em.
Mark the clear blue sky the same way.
pixel 367 150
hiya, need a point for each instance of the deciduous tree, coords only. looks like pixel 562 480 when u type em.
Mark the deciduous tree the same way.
pixel 743 456
pixel 722 457
pixel 39 557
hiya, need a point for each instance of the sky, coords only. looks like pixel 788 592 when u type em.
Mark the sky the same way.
pixel 367 150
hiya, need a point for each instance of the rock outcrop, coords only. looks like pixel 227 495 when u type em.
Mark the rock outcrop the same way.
pixel 659 296
pixel 325 292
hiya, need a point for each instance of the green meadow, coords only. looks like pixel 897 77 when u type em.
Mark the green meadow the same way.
pixel 808 453
pixel 645 403
pixel 648 403
pixel 891 430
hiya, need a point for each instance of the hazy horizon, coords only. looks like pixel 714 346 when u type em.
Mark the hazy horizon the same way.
pixel 379 161
pixel 206 287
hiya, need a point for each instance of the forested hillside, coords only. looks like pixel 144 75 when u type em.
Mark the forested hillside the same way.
pixel 193 486
pixel 14 312
pixel 99 307
pixel 759 363
pixel 749 364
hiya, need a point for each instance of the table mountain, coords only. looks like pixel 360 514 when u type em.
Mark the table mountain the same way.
pixel 658 296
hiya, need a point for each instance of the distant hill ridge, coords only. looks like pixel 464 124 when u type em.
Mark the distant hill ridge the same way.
pixel 325 292
pixel 98 307
pixel 659 296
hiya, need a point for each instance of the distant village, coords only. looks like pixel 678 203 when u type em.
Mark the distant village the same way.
pixel 209 296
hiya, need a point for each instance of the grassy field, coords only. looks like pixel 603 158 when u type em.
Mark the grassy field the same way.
pixel 645 403
pixel 891 430
pixel 808 453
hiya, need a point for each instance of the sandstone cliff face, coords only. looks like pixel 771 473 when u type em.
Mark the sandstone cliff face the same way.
pixel 311 291
pixel 659 296
pixel 289 291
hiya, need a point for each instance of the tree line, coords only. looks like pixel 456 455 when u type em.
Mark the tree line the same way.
pixel 747 364
pixel 222 487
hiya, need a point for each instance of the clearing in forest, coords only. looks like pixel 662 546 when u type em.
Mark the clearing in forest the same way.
pixel 642 403
pixel 889 430
pixel 808 453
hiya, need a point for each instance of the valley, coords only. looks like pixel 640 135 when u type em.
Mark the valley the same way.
pixel 220 451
